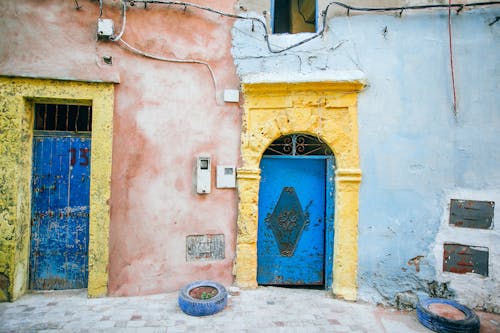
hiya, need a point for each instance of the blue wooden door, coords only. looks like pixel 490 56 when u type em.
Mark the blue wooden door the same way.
pixel 60 211
pixel 291 232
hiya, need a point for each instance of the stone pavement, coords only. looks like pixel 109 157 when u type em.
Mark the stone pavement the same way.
pixel 266 309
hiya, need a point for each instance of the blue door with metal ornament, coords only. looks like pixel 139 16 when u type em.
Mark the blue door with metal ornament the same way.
pixel 294 231
pixel 60 210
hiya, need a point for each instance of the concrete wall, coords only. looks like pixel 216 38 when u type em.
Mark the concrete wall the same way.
pixel 415 152
pixel 165 115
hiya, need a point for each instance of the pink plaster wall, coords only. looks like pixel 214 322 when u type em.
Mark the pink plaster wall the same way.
pixel 165 115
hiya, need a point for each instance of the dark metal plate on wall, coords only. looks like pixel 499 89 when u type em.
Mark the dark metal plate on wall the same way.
pixel 205 247
pixel 463 259
pixel 472 214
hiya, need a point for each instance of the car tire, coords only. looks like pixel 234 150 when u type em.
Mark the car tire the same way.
pixel 469 324
pixel 202 307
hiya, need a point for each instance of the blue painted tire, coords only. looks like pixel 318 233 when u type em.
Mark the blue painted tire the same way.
pixel 470 324
pixel 202 307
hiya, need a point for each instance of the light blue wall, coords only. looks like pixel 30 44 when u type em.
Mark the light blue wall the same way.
pixel 414 150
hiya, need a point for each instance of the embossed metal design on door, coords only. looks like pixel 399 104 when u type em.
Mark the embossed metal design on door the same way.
pixel 287 221
pixel 291 231
pixel 60 204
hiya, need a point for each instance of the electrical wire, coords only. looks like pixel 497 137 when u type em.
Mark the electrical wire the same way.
pixel 452 68
pixel 100 8
pixel 124 22
pixel 152 56
pixel 174 60
pixel 209 9
pixel 324 13
pixel 413 7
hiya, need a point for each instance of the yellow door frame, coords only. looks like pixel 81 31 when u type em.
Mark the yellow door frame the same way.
pixel 327 109
pixel 17 99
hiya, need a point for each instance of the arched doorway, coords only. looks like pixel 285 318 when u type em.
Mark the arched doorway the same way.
pixel 324 105
pixel 295 225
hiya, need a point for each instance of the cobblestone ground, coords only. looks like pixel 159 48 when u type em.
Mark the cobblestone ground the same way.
pixel 263 310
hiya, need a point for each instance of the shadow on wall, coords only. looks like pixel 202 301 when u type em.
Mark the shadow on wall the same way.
pixel 4 287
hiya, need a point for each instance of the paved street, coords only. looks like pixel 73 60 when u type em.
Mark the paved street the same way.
pixel 263 310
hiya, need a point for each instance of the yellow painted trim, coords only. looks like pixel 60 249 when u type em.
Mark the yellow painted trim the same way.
pixel 17 97
pixel 325 109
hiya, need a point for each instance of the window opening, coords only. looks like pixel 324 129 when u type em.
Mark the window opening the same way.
pixel 63 117
pixel 298 144
pixel 294 16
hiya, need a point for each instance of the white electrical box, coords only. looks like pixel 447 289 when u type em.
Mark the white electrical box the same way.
pixel 226 176
pixel 203 174
pixel 105 29
pixel 231 95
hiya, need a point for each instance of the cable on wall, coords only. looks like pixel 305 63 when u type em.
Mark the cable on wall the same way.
pixel 124 22
pixel 100 8
pixel 324 13
pixel 174 60
pixel 208 9
pixel 253 19
pixel 413 7
pixel 118 38
pixel 452 68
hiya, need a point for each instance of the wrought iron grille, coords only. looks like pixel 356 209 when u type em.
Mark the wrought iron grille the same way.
pixel 63 117
pixel 298 144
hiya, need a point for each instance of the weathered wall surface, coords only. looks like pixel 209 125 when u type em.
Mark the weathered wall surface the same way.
pixel 415 153
pixel 14 141
pixel 165 114
pixel 18 96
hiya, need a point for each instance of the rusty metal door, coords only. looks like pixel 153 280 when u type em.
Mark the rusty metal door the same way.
pixel 60 210
pixel 293 205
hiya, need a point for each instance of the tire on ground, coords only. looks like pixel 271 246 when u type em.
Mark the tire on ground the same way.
pixel 202 307
pixel 469 324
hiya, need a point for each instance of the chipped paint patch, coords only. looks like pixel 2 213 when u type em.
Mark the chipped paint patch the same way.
pixel 18 96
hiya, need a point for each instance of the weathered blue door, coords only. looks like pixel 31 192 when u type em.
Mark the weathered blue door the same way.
pixel 291 232
pixel 60 211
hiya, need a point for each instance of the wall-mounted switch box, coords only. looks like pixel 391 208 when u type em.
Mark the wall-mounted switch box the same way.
pixel 226 176
pixel 231 95
pixel 203 174
pixel 105 29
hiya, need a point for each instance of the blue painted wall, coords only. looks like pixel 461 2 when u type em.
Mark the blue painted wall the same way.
pixel 415 153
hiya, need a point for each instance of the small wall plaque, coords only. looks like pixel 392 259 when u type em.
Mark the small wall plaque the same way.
pixel 463 259
pixel 205 247
pixel 472 214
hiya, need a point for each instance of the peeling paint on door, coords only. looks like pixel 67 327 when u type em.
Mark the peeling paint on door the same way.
pixel 60 213
pixel 291 235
